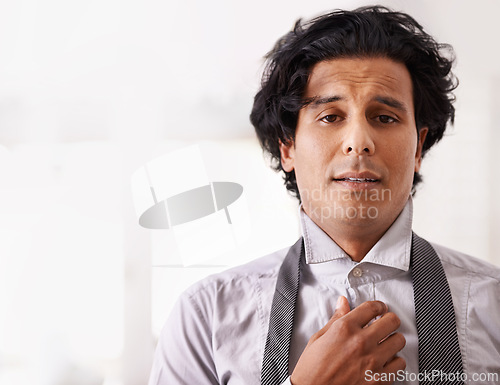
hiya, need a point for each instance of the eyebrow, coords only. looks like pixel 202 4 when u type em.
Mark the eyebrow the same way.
pixel 391 102
pixel 316 101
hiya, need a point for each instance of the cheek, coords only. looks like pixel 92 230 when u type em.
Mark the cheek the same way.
pixel 313 155
pixel 406 161
pixel 312 150
pixel 404 158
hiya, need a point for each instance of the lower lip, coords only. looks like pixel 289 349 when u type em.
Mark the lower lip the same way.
pixel 357 185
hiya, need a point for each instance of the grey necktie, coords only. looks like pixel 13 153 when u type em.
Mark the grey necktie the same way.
pixel 438 347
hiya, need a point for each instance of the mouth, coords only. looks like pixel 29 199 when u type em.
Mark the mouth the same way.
pixel 356 180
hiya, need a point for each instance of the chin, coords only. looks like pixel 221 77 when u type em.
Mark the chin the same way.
pixel 362 213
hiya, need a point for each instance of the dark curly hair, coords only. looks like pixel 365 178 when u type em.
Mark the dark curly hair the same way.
pixel 373 31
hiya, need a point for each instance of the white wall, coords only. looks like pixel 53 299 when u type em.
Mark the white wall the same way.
pixel 92 90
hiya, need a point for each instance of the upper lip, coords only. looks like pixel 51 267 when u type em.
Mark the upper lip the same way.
pixel 366 175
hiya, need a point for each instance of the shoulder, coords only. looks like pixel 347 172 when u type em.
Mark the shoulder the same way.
pixel 237 283
pixel 475 287
pixel 468 265
pixel 218 305
pixel 204 320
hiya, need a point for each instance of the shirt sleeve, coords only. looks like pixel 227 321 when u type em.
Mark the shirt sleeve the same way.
pixel 184 353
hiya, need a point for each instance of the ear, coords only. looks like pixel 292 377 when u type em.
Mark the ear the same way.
pixel 418 154
pixel 287 151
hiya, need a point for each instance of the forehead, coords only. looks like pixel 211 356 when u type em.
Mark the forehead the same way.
pixel 358 77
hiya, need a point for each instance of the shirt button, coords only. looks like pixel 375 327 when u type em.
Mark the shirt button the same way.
pixel 357 272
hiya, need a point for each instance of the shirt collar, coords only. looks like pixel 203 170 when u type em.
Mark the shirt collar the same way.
pixel 393 249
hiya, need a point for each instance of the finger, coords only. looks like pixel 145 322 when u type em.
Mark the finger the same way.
pixel 391 346
pixel 365 312
pixel 341 309
pixel 387 324
pixel 394 366
pixel 389 373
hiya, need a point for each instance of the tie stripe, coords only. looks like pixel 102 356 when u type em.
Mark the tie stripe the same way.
pixel 276 352
pixel 438 347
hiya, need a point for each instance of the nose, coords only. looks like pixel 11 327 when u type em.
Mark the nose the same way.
pixel 358 140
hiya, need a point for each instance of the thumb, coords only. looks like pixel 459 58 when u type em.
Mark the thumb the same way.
pixel 341 309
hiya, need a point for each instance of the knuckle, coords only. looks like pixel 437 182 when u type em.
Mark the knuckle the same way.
pixel 393 320
pixel 401 340
pixel 369 363
pixel 400 363
pixel 343 327
pixel 375 307
pixel 359 343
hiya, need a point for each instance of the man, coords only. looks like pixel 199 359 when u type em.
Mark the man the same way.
pixel 350 102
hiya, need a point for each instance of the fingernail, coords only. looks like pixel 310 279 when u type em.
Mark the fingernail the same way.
pixel 339 301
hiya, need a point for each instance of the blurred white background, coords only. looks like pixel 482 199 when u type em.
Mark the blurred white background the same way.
pixel 92 90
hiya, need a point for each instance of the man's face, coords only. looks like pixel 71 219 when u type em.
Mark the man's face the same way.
pixel 356 146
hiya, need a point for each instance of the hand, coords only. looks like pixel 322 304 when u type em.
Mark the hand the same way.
pixel 349 345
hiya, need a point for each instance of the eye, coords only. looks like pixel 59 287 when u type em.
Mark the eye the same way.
pixel 330 118
pixel 386 119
